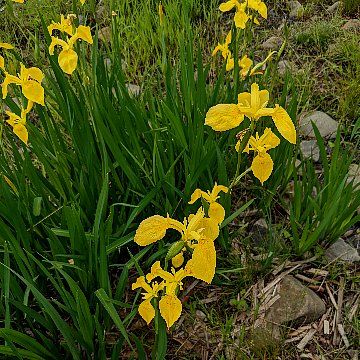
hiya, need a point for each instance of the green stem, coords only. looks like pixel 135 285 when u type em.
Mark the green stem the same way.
pixel 243 144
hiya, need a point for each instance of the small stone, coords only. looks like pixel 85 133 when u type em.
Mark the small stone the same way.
pixel 334 7
pixel 352 24
pixel 105 34
pixel 296 304
pixel 284 66
pixel 133 89
pixel 354 174
pixel 259 231
pixel 200 315
pixel 296 10
pixel 326 125
pixel 273 43
pixel 343 251
pixel 101 13
pixel 310 149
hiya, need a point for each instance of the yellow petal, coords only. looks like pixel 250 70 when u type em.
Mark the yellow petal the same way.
pixel 219 188
pixel 170 309
pixel 177 260
pixel 33 91
pixel 35 74
pixel 2 63
pixel 284 124
pixel 228 38
pixel 146 311
pixel 227 6
pixel 241 19
pixel 244 99
pixel 21 132
pixel 217 48
pixel 262 167
pixel 262 10
pixel 83 32
pixel 68 60
pixel 203 262
pixel 224 117
pixel 151 230
pixel 268 140
pixel 229 63
pixel 195 196
pixel 6 46
pixel 82 2
pixel 216 212
pixel 210 228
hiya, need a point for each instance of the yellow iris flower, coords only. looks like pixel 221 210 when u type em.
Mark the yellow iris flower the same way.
pixel 5 46
pixel 68 58
pixel 146 310
pixel 196 232
pixel 18 123
pixel 225 52
pixel 30 82
pixel 170 306
pixel 224 117
pixel 216 211
pixel 262 165
pixel 65 25
pixel 241 17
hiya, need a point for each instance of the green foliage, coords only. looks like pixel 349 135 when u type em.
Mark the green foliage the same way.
pixel 323 207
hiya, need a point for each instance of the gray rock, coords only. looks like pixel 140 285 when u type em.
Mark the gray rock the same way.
pixel 310 149
pixel 352 24
pixel 105 34
pixel 296 304
pixel 327 126
pixel 133 89
pixel 273 43
pixel 259 231
pixel 296 9
pixel 342 251
pixel 334 7
pixel 354 174
pixel 284 66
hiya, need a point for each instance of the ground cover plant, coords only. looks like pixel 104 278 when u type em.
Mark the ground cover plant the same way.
pixel 125 210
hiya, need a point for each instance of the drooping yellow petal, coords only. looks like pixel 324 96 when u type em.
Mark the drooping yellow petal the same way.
pixel 21 132
pixel 262 10
pixel 284 124
pixel 262 167
pixel 170 309
pixel 147 311
pixel 203 262
pixel 227 6
pixel 151 230
pixel 217 189
pixel 19 1
pixel 241 19
pixel 57 42
pixel 216 212
pixel 2 63
pixel 33 91
pixel 224 117
pixel 68 60
pixel 228 38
